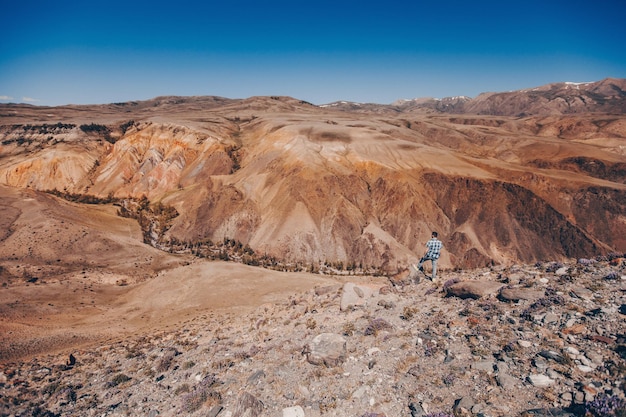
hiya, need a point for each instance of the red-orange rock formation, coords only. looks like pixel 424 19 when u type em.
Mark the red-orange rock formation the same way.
pixel 306 183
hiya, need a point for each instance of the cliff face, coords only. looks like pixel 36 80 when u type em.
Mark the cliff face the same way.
pixel 308 184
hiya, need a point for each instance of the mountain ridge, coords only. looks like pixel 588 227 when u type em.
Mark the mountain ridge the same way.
pixel 604 96
pixel 313 185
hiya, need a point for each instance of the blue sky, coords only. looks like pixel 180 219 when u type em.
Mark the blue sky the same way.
pixel 92 52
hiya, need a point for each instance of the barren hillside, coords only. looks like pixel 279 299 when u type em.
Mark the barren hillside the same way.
pixel 317 186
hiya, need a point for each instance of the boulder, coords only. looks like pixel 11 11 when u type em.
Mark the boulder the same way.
pixel 474 289
pixel 357 294
pixel 328 349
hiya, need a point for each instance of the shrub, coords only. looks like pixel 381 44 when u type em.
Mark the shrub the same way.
pixel 311 323
pixel 554 266
pixel 118 379
pixel 348 328
pixel 200 395
pixel 586 262
pixel 376 325
pixel 408 313
pixel 605 406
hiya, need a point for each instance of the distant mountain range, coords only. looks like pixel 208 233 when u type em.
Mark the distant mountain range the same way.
pixel 606 96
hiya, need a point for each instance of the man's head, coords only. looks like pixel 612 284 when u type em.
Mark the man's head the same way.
pixel 435 234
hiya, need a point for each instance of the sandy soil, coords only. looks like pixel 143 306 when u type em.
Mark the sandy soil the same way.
pixel 74 275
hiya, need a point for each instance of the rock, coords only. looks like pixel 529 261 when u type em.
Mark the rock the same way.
pixel 550 318
pixel 295 411
pixel 517 294
pixel 540 381
pixel 357 295
pixel 524 343
pixel 416 410
pixel 463 404
pixel 214 412
pixel 486 366
pixel 473 289
pixel 602 339
pixel 582 293
pixel 403 278
pixel 596 358
pixel 506 381
pixel 248 405
pixel 327 289
pixel 327 349
pixel 540 363
pixel 575 329
pixel 555 356
pixel 561 271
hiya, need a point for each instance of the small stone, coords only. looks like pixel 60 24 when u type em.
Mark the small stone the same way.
pixel 506 381
pixel 304 391
pixel 540 381
pixel 416 410
pixel 372 351
pixel 582 293
pixel 354 295
pixel 486 366
pixel 584 368
pixel 561 271
pixel 550 318
pixel 295 411
pixel 464 403
pixel 327 349
pixel 575 329
pixel 524 343
pixel 579 397
pixel 360 392
pixel 555 356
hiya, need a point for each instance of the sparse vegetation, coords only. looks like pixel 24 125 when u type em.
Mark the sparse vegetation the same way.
pixel 118 379
pixel 97 129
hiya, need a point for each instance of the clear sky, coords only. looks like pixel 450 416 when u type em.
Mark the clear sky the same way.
pixel 103 51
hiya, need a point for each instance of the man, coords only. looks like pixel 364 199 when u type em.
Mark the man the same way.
pixel 434 246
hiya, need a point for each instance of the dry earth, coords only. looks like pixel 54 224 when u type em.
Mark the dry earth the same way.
pixel 135 331
pixel 73 273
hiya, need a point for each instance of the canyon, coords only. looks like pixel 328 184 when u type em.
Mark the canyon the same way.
pixel 325 185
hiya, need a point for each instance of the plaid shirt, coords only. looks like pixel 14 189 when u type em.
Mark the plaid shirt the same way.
pixel 434 248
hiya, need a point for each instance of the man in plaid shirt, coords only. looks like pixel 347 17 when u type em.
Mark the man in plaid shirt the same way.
pixel 434 246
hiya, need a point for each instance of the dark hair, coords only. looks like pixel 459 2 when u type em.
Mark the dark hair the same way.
pixel 435 234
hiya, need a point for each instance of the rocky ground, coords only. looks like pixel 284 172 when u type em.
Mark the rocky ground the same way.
pixel 541 340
